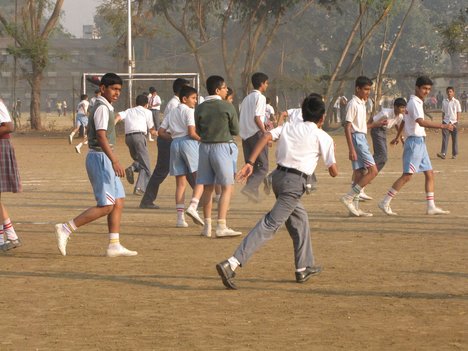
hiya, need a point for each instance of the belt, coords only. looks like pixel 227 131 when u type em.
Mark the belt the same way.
pixel 292 170
pixel 143 133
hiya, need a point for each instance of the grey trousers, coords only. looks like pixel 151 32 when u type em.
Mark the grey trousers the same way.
pixel 445 138
pixel 260 168
pixel 379 143
pixel 288 209
pixel 156 119
pixel 141 162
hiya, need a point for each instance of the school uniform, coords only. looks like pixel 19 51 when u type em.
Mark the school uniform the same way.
pixel 82 114
pixel 9 176
pixel 154 105
pixel 137 121
pixel 297 152
pixel 379 135
pixel 450 108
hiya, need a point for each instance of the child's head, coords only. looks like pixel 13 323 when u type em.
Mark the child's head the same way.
pixel 313 108
pixel 141 100
pixel 215 85
pixel 423 87
pixel 110 86
pixel 83 97
pixel 152 90
pixel 268 100
pixel 188 96
pixel 229 95
pixel 450 92
pixel 399 105
pixel 178 84
pixel 97 92
pixel 260 81
pixel 363 87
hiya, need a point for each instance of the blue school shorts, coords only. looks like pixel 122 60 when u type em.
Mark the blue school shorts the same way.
pixel 364 156
pixel 235 155
pixel 215 164
pixel 184 156
pixel 107 187
pixel 415 156
pixel 81 120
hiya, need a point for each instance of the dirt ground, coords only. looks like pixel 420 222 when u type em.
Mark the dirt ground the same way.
pixel 389 283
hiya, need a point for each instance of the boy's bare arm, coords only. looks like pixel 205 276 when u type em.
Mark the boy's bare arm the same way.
pixel 429 124
pixel 6 128
pixel 164 134
pixel 349 141
pixel 333 170
pixel 104 144
pixel 399 134
pixel 193 133
pixel 260 124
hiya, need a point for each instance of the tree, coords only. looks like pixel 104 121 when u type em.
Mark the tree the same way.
pixel 31 36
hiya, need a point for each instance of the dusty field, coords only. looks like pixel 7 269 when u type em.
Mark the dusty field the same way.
pixel 389 283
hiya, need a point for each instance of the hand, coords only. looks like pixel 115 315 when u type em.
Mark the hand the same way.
pixel 394 141
pixel 270 143
pixel 352 155
pixel 382 122
pixel 118 169
pixel 244 173
pixel 449 127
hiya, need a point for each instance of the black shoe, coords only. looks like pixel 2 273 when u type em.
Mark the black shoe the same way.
pixel 302 277
pixel 226 274
pixel 149 206
pixel 129 175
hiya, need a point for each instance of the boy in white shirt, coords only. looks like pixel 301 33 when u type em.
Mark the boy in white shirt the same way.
pixel 451 110
pixel 415 156
pixel 81 121
pixel 297 153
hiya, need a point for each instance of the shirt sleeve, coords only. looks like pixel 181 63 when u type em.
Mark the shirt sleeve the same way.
pixel 327 148
pixel 123 114
pixel 101 118
pixel 261 106
pixel 351 112
pixel 276 132
pixel 4 114
pixel 190 117
pixel 378 116
pixel 165 123
pixel 414 111
pixel 149 119
pixel 458 106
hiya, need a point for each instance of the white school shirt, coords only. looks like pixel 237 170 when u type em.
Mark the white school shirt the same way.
pixel 389 114
pixel 300 144
pixel 253 105
pixel 101 115
pixel 356 113
pixel 269 111
pixel 172 104
pixel 414 111
pixel 92 101
pixel 82 108
pixel 137 119
pixel 154 102
pixel 4 114
pixel 450 108
pixel 178 120
pixel 295 115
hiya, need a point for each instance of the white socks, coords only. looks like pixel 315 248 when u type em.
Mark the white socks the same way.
pixel 233 262
pixel 114 240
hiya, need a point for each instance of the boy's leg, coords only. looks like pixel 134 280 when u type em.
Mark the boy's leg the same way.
pixel 143 160
pixel 443 149
pixel 260 167
pixel 224 201
pixel 455 141
pixel 207 202
pixel 379 143
pixel 116 249
pixel 432 209
pixel 8 237
pixel 180 201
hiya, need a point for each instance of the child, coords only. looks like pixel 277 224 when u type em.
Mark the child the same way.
pixel 104 170
pixel 81 121
pixel 252 128
pixel 298 150
pixel 9 179
pixel 392 117
pixel 269 115
pixel 138 120
pixel 216 122
pixel 184 153
pixel 364 169
pixel 415 157
pixel 154 105
pixel 451 110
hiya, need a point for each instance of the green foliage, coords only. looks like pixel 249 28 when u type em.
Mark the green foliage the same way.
pixel 455 34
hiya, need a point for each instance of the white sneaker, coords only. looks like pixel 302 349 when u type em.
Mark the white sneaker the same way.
pixel 364 196
pixel 386 209
pixel 192 213
pixel 181 224
pixel 70 139
pixel 206 232
pixel 361 213
pixel 119 250
pixel 349 205
pixel 226 232
pixel 436 211
pixel 150 138
pixel 62 238
pixel 78 149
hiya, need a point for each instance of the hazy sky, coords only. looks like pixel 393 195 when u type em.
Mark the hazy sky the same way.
pixel 77 13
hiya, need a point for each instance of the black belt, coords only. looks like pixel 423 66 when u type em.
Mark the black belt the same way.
pixel 292 170
pixel 143 133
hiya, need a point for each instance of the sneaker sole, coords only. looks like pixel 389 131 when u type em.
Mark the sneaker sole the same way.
pixel 228 235
pixel 195 220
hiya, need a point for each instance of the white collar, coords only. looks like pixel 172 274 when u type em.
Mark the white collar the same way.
pixel 212 97
pixel 107 103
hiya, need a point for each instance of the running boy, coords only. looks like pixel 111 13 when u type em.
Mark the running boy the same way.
pixel 184 153
pixel 216 123
pixel 104 170
pixel 415 156
pixel 297 153
pixel 451 111
pixel 9 179
pixel 81 121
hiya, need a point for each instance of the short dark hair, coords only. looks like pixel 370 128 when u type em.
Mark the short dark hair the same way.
pixel 178 84
pixel 258 78
pixel 83 96
pixel 97 91
pixel 152 90
pixel 313 108
pixel 213 83
pixel 229 92
pixel 187 91
pixel 449 88
pixel 141 100
pixel 109 79
pixel 423 80
pixel 362 81
pixel 399 102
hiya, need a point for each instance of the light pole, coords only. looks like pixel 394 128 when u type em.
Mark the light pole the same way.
pixel 130 54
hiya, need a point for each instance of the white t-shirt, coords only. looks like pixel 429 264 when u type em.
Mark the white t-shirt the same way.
pixel 295 115
pixel 357 114
pixel 137 119
pixel 389 114
pixel 4 114
pixel 172 104
pixel 269 111
pixel 101 115
pixel 414 111
pixel 154 102
pixel 178 120
pixel 450 108
pixel 253 105
pixel 300 144
pixel 82 108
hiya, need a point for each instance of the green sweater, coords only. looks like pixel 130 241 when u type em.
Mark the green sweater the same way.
pixel 216 121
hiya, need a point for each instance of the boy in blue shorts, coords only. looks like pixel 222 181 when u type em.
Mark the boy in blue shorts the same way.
pixel 216 123
pixel 104 170
pixel 297 153
pixel 415 156
pixel 364 169
pixel 81 122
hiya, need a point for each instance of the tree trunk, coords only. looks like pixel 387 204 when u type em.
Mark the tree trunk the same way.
pixel 35 107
